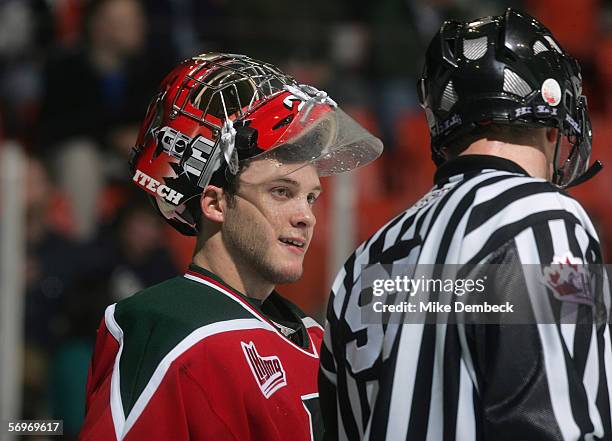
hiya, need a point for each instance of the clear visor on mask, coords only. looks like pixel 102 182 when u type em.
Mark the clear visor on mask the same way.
pixel 323 136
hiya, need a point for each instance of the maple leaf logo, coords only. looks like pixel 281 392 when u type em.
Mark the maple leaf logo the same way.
pixel 569 279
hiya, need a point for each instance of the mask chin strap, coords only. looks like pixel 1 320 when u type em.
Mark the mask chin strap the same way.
pixel 228 146
pixel 588 174
pixel 228 141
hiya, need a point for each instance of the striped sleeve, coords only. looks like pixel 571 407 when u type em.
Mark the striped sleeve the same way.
pixel 558 375
pixel 544 381
pixel 579 378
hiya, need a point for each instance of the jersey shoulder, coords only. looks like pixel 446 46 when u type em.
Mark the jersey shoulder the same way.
pixel 153 322
pixel 507 197
pixel 503 206
pixel 180 302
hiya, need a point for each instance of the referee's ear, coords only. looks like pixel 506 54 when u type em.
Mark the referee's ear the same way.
pixel 213 204
pixel 551 134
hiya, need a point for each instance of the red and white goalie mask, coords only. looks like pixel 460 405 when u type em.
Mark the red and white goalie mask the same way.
pixel 215 111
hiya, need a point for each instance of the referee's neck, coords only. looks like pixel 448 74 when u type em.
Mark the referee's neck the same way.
pixel 532 159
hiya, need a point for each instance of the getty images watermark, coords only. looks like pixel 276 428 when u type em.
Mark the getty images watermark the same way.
pixel 484 294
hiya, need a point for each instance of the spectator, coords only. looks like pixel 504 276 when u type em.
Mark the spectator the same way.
pixel 93 97
pixel 129 254
pixel 51 275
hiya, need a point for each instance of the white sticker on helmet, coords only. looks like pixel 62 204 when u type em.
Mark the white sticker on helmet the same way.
pixel 551 92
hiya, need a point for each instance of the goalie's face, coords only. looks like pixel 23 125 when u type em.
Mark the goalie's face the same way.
pixel 269 224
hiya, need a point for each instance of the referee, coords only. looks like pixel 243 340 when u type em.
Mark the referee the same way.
pixel 509 132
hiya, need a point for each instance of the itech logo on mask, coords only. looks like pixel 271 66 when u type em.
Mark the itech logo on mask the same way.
pixel 154 186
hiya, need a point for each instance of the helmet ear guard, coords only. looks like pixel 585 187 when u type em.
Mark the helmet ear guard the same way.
pixel 246 140
pixel 505 70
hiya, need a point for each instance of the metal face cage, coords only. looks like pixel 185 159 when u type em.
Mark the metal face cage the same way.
pixel 221 87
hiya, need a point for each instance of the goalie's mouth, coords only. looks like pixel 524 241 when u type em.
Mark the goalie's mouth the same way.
pixel 296 244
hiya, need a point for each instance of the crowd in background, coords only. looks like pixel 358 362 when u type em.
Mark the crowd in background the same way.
pixel 75 79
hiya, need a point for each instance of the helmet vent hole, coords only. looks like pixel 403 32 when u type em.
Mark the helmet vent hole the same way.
pixel 450 46
pixel 449 97
pixel 539 47
pixel 567 100
pixel 514 84
pixel 553 43
pixel 475 48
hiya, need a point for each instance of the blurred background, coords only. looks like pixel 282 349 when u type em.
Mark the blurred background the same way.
pixel 75 79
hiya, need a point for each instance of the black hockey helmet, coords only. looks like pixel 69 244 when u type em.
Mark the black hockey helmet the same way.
pixel 506 69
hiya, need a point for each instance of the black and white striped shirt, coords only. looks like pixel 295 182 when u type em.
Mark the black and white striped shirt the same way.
pixel 470 382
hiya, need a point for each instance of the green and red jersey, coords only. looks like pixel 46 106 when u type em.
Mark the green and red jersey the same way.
pixel 193 359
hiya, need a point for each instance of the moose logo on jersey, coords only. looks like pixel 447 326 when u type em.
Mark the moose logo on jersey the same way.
pixel 268 371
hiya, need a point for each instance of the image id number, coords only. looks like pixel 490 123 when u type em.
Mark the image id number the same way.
pixel 46 427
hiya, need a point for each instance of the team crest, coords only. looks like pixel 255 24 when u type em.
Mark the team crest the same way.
pixel 268 371
pixel 569 279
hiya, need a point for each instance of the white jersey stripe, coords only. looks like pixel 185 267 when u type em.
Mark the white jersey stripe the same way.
pixel 116 403
pixel 401 397
pixel 607 354
pixel 466 420
pixel 551 344
pixel 538 203
pixel 561 246
pixel 591 383
pixel 436 400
